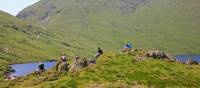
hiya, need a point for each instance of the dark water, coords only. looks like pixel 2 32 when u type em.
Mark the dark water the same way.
pixel 25 69
pixel 184 58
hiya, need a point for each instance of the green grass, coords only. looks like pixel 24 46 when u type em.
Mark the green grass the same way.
pixel 123 71
pixel 171 25
pixel 78 28
pixel 19 43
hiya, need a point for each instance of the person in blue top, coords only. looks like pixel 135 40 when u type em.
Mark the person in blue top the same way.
pixel 127 47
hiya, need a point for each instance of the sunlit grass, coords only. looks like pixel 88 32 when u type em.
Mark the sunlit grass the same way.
pixel 118 70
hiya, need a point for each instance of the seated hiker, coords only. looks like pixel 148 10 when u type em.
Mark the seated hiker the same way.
pixel 41 67
pixel 62 64
pixel 99 53
pixel 127 48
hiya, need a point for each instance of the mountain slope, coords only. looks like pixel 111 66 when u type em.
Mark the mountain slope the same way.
pixel 23 42
pixel 171 25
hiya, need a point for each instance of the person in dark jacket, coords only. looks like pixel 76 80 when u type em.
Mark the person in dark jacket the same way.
pixel 41 66
pixel 99 53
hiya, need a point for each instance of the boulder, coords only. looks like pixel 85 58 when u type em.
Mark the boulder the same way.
pixel 159 55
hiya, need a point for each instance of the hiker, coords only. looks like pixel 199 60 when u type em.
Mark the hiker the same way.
pixel 41 67
pixel 99 53
pixel 62 64
pixel 127 48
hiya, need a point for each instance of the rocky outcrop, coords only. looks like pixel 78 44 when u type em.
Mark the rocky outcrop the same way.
pixel 77 64
pixel 42 10
pixel 191 62
pixel 45 11
pixel 159 55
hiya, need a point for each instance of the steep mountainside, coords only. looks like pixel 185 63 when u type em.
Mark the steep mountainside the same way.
pixel 170 25
pixel 23 42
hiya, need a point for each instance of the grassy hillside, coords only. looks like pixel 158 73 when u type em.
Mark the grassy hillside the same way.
pixel 120 71
pixel 170 25
pixel 23 42
pixel 80 26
